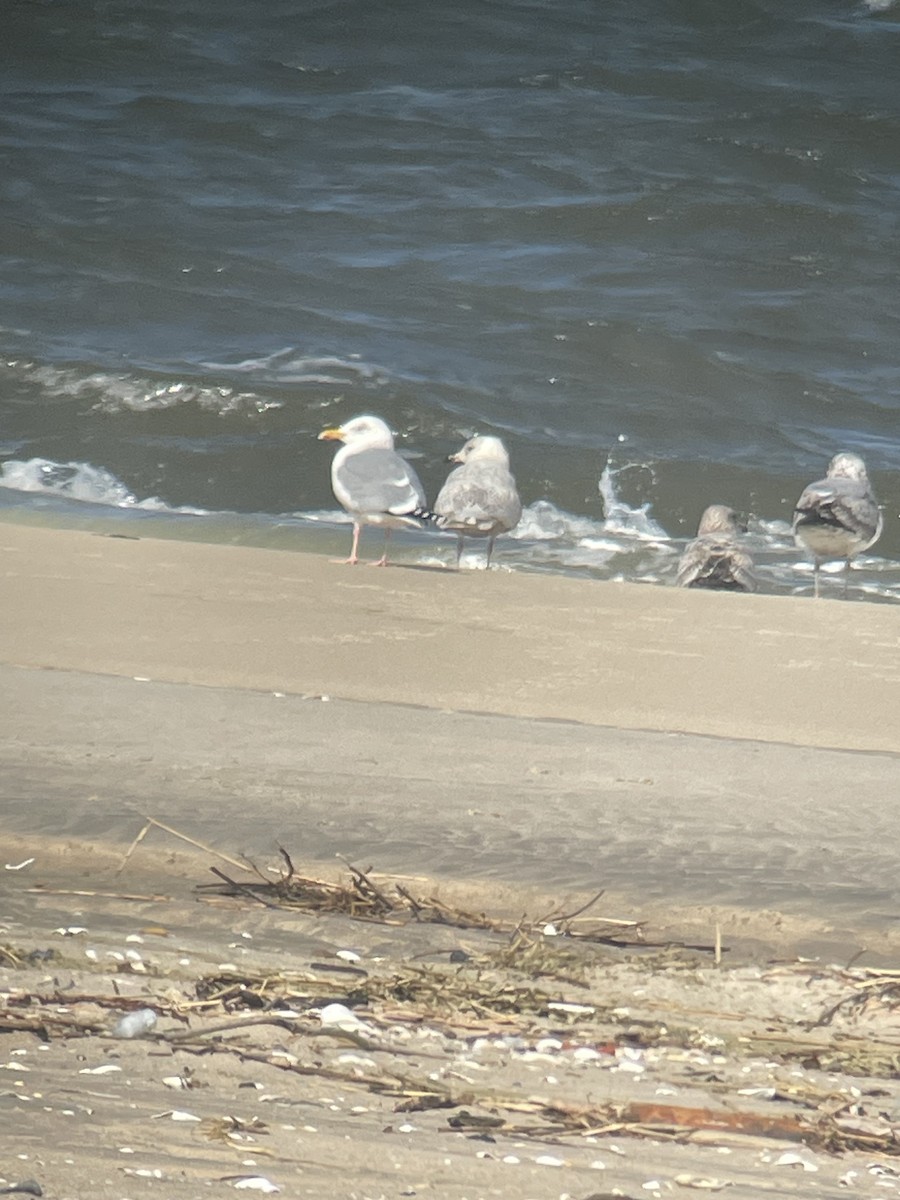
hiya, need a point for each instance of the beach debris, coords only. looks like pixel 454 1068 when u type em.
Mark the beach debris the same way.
pixel 341 1017
pixel 568 1007
pixel 135 1024
pixel 105 1069
pixel 870 986
pixel 701 1182
pixel 251 1183
pixel 791 1159
pixel 363 897
pixel 468 1038
pixel 26 862
pixel 29 1187
pixel 233 1130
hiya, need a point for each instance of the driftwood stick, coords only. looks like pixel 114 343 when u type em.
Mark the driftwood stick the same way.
pixel 362 878
pixel 241 866
pixel 134 845
pixel 242 888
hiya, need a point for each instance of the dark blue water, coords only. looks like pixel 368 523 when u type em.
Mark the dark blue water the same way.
pixel 656 241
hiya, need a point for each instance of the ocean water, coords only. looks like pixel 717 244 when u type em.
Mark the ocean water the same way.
pixel 653 247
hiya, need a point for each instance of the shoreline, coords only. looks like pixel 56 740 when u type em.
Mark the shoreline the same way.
pixel 254 699
pixel 687 752
pixel 788 850
pixel 761 668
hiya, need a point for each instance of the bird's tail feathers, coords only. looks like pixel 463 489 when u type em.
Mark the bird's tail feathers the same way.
pixel 425 515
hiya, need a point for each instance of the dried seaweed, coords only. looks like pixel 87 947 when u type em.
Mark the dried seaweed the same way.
pixel 431 991
pixel 541 956
pixel 555 1121
pixel 876 987
pixel 362 898
pixel 237 991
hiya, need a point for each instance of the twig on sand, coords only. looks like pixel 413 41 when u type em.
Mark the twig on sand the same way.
pixel 233 862
pixel 564 918
pixel 363 899
pixel 134 845
pixel 365 884
pixel 243 889
pixel 555 1120
pixel 45 891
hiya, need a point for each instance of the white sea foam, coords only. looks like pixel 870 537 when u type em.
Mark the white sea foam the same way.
pixel 293 366
pixel 543 521
pixel 622 520
pixel 78 481
pixel 626 544
pixel 113 392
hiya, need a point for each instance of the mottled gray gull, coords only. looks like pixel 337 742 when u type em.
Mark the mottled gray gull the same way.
pixel 714 559
pixel 372 482
pixel 838 516
pixel 479 498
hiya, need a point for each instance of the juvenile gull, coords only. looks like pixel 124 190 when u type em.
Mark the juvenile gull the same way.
pixel 838 516
pixel 714 559
pixel 479 498
pixel 372 482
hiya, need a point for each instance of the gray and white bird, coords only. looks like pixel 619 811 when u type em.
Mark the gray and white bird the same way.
pixel 714 559
pixel 372 482
pixel 479 498
pixel 838 516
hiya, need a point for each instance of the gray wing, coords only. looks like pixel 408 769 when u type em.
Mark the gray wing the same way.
pixel 480 498
pixel 718 564
pixel 378 481
pixel 843 505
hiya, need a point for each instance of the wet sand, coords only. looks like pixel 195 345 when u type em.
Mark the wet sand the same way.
pixel 621 655
pixel 510 741
pixel 506 730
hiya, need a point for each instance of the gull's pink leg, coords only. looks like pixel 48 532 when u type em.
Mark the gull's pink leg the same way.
pixel 382 562
pixel 354 556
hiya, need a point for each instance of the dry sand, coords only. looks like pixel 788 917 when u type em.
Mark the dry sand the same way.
pixel 512 741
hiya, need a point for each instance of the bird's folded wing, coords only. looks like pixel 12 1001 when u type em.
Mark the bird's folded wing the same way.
pixel 479 500
pixel 378 481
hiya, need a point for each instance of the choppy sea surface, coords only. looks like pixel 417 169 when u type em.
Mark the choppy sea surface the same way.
pixel 653 247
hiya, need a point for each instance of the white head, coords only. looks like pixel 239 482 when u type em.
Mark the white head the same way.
pixel 484 449
pixel 847 466
pixel 719 518
pixel 362 433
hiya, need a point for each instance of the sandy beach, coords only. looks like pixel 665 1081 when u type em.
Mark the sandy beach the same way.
pixel 510 743
pixel 625 656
